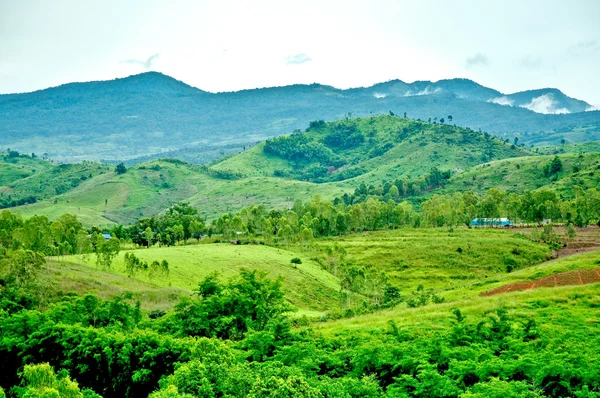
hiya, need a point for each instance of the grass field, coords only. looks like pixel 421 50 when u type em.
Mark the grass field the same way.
pixel 437 258
pixel 308 287
pixel 558 306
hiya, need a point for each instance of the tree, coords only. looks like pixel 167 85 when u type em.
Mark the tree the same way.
pixel 21 267
pixel 38 235
pixel 449 118
pixel 41 381
pixel 555 165
pixel 149 236
pixel 196 229
pixel 120 169
pixel 106 251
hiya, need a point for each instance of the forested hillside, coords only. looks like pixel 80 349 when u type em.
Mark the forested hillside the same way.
pixel 150 113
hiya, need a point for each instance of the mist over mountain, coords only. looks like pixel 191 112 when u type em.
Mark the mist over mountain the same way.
pixel 150 112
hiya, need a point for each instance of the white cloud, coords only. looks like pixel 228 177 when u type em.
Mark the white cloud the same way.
pixel 477 59
pixel 428 91
pixel 593 108
pixel 585 47
pixel 544 104
pixel 379 95
pixel 505 101
pixel 297 59
pixel 531 62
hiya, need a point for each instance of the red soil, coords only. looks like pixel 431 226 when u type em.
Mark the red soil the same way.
pixel 580 277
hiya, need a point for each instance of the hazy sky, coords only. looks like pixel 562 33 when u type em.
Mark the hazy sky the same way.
pixel 231 45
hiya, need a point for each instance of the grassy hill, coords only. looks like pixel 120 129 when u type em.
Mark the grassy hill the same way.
pixel 328 159
pixel 308 286
pixel 149 188
pixel 17 167
pixel 409 258
pixel 527 173
pixel 369 150
pixel 386 148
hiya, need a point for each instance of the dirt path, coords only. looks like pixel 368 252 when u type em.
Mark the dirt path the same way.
pixel 579 277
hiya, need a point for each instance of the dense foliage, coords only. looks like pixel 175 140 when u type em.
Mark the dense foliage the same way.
pixel 113 349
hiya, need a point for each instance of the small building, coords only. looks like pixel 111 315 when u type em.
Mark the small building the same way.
pixel 105 236
pixel 491 222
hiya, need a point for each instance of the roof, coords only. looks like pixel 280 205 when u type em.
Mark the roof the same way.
pixel 106 236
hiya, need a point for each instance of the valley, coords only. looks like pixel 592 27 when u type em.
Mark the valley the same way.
pixel 337 261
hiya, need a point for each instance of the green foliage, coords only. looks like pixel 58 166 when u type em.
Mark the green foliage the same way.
pixel 120 169
pixel 106 250
pixel 41 381
pixel 229 311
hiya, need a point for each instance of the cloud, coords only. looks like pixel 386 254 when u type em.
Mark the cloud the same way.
pixel 504 101
pixel 477 59
pixel 428 91
pixel 531 62
pixel 584 47
pixel 297 59
pixel 379 95
pixel 593 108
pixel 146 64
pixel 544 104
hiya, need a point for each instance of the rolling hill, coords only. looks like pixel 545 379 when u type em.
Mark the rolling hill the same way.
pixel 527 173
pixel 380 149
pixel 152 113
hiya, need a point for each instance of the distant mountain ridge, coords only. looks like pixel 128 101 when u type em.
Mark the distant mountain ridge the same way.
pixel 149 113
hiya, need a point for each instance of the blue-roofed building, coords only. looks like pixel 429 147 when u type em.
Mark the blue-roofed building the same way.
pixel 106 236
pixel 491 222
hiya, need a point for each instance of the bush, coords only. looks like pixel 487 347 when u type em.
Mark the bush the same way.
pixel 296 260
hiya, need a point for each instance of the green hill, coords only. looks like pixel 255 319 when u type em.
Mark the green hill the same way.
pixel 149 188
pixel 348 153
pixel 15 166
pixel 528 173
pixel 308 286
pixel 369 150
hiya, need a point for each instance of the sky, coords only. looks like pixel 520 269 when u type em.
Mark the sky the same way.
pixel 231 45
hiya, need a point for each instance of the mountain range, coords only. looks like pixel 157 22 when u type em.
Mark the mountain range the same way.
pixel 151 113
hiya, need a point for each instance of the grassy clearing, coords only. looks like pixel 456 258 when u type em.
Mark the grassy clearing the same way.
pixel 84 279
pixel 437 258
pixel 307 286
